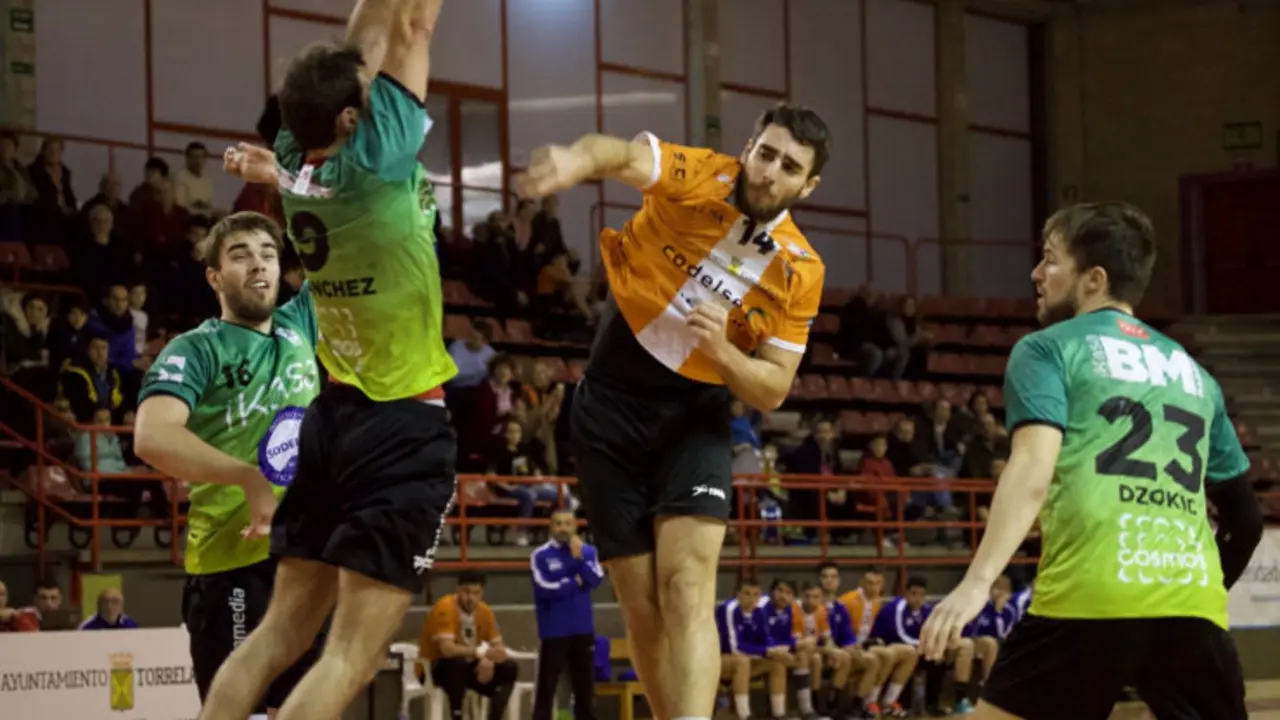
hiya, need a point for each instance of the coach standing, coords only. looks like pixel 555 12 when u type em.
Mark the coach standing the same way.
pixel 565 571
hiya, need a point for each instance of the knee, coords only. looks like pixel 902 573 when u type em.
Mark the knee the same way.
pixel 641 614
pixel 871 663
pixel 682 596
pixel 505 672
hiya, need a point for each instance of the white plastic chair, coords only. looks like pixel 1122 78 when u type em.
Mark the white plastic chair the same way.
pixel 411 688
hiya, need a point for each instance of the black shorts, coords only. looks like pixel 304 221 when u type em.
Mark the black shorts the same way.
pixel 220 610
pixel 374 483
pixel 1183 668
pixel 641 455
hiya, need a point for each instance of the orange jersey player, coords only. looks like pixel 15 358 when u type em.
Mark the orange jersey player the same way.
pixel 713 289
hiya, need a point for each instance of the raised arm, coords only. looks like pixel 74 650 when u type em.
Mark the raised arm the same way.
pixel 395 38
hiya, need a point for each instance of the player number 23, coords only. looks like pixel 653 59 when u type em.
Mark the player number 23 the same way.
pixel 1118 458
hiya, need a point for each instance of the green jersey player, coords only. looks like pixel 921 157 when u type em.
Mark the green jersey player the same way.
pixel 221 408
pixel 360 523
pixel 1119 438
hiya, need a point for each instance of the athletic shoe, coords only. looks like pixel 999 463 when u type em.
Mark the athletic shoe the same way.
pixel 896 711
pixel 964 707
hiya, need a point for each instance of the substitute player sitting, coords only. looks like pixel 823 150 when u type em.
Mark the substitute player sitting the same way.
pixel 989 629
pixel 789 645
pixel 900 622
pixel 744 648
pixel 221 408
pixel 1119 439
pixel 844 700
pixel 713 289
pixel 896 662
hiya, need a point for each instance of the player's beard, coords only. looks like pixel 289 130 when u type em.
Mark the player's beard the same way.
pixel 758 213
pixel 1064 309
pixel 248 308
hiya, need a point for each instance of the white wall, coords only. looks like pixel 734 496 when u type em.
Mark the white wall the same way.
pixel 868 66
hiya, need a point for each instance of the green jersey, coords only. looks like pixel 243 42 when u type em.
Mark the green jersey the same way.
pixel 247 392
pixel 362 222
pixel 1126 533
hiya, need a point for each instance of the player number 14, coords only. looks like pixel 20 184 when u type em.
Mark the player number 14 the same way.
pixel 1118 459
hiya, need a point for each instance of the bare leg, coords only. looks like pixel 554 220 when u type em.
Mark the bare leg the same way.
pixel 687 557
pixel 302 598
pixel 870 675
pixel 368 614
pixel 987 650
pixel 634 584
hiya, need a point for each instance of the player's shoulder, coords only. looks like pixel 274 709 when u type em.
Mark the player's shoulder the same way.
pixel 795 246
pixel 199 338
pixel 706 173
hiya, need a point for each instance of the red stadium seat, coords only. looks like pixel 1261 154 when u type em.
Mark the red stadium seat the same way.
pixel 827 323
pixel 928 391
pixel 854 423
pixel 834 297
pixel 519 332
pixel 884 391
pixel 952 393
pixel 838 388
pixel 49 258
pixel 908 392
pixel 995 395
pixel 455 292
pixel 456 326
pixel 815 387
pixel 823 355
pixel 881 423
pixel 15 255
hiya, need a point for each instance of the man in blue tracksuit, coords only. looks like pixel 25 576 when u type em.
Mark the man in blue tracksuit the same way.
pixel 564 571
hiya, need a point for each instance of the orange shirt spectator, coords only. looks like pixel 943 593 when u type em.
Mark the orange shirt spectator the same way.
pixel 14 620
pixel 448 621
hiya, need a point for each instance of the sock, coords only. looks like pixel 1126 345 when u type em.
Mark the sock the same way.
pixel 962 689
pixel 261 716
pixel 891 693
pixel 742 703
pixel 778 705
pixel 975 691
pixel 804 699
pixel 872 697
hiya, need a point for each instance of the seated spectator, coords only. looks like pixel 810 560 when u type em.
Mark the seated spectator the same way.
pixel 548 239
pixel 154 174
pixel 461 640
pixel 110 615
pixel 16 190
pixel 819 454
pixel 910 341
pixel 557 290
pixel 512 457
pixel 14 619
pixel 114 322
pixel 967 417
pixel 90 382
pixel 60 432
pixel 103 255
pixel 909 459
pixel 472 353
pixel 24 333
pixel 69 335
pixel 138 301
pixel 493 402
pixel 193 187
pixel 187 271
pixel 52 219
pixel 497 273
pixel 48 607
pixel 111 460
pixel 160 227
pixel 545 399
pixel 989 444
pixel 109 190
pixel 864 334
pixel 990 628
pixel 943 443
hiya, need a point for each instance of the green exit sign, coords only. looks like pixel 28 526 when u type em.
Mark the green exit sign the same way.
pixel 1242 136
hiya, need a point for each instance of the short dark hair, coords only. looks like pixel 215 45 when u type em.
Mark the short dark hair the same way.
pixel 33 297
pixel 827 564
pixel 234 224
pixel 1114 236
pixel 470 577
pixel 916 581
pixel 322 81
pixel 806 586
pixel 748 581
pixel 804 125
pixel 779 582
pixel 157 164
pixel 48 583
pixel 500 359
pixel 195 145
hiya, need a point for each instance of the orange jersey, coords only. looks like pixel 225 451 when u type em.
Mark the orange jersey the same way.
pixel 446 621
pixel 861 612
pixel 689 244
pixel 814 625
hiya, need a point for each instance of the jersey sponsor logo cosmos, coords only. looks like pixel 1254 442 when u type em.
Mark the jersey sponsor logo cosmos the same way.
pixel 278 449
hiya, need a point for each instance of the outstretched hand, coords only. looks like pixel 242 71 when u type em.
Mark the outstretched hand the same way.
pixel 947 621
pixel 552 169
pixel 250 163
